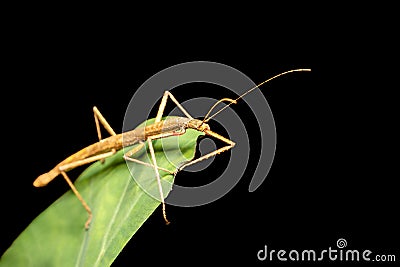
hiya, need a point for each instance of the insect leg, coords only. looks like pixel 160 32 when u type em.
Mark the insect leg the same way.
pixel 153 157
pixel 98 117
pixel 149 141
pixel 218 151
pixel 69 166
pixel 164 102
pixel 78 195
pixel 127 156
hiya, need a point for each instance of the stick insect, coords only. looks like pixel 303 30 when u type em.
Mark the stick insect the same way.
pixel 159 129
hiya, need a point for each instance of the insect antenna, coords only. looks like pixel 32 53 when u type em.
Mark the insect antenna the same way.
pixel 219 101
pixel 234 101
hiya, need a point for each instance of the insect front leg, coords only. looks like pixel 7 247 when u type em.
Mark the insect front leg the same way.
pixel 230 145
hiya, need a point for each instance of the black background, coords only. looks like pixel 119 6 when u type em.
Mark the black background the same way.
pixel 334 171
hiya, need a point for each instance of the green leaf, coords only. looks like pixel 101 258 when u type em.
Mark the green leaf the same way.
pixel 121 202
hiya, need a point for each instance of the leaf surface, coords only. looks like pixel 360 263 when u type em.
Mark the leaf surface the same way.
pixel 122 196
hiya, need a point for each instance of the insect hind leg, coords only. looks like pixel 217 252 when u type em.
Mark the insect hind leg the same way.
pixel 99 118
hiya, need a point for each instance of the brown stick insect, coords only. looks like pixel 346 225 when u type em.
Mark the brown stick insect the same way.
pixel 159 129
